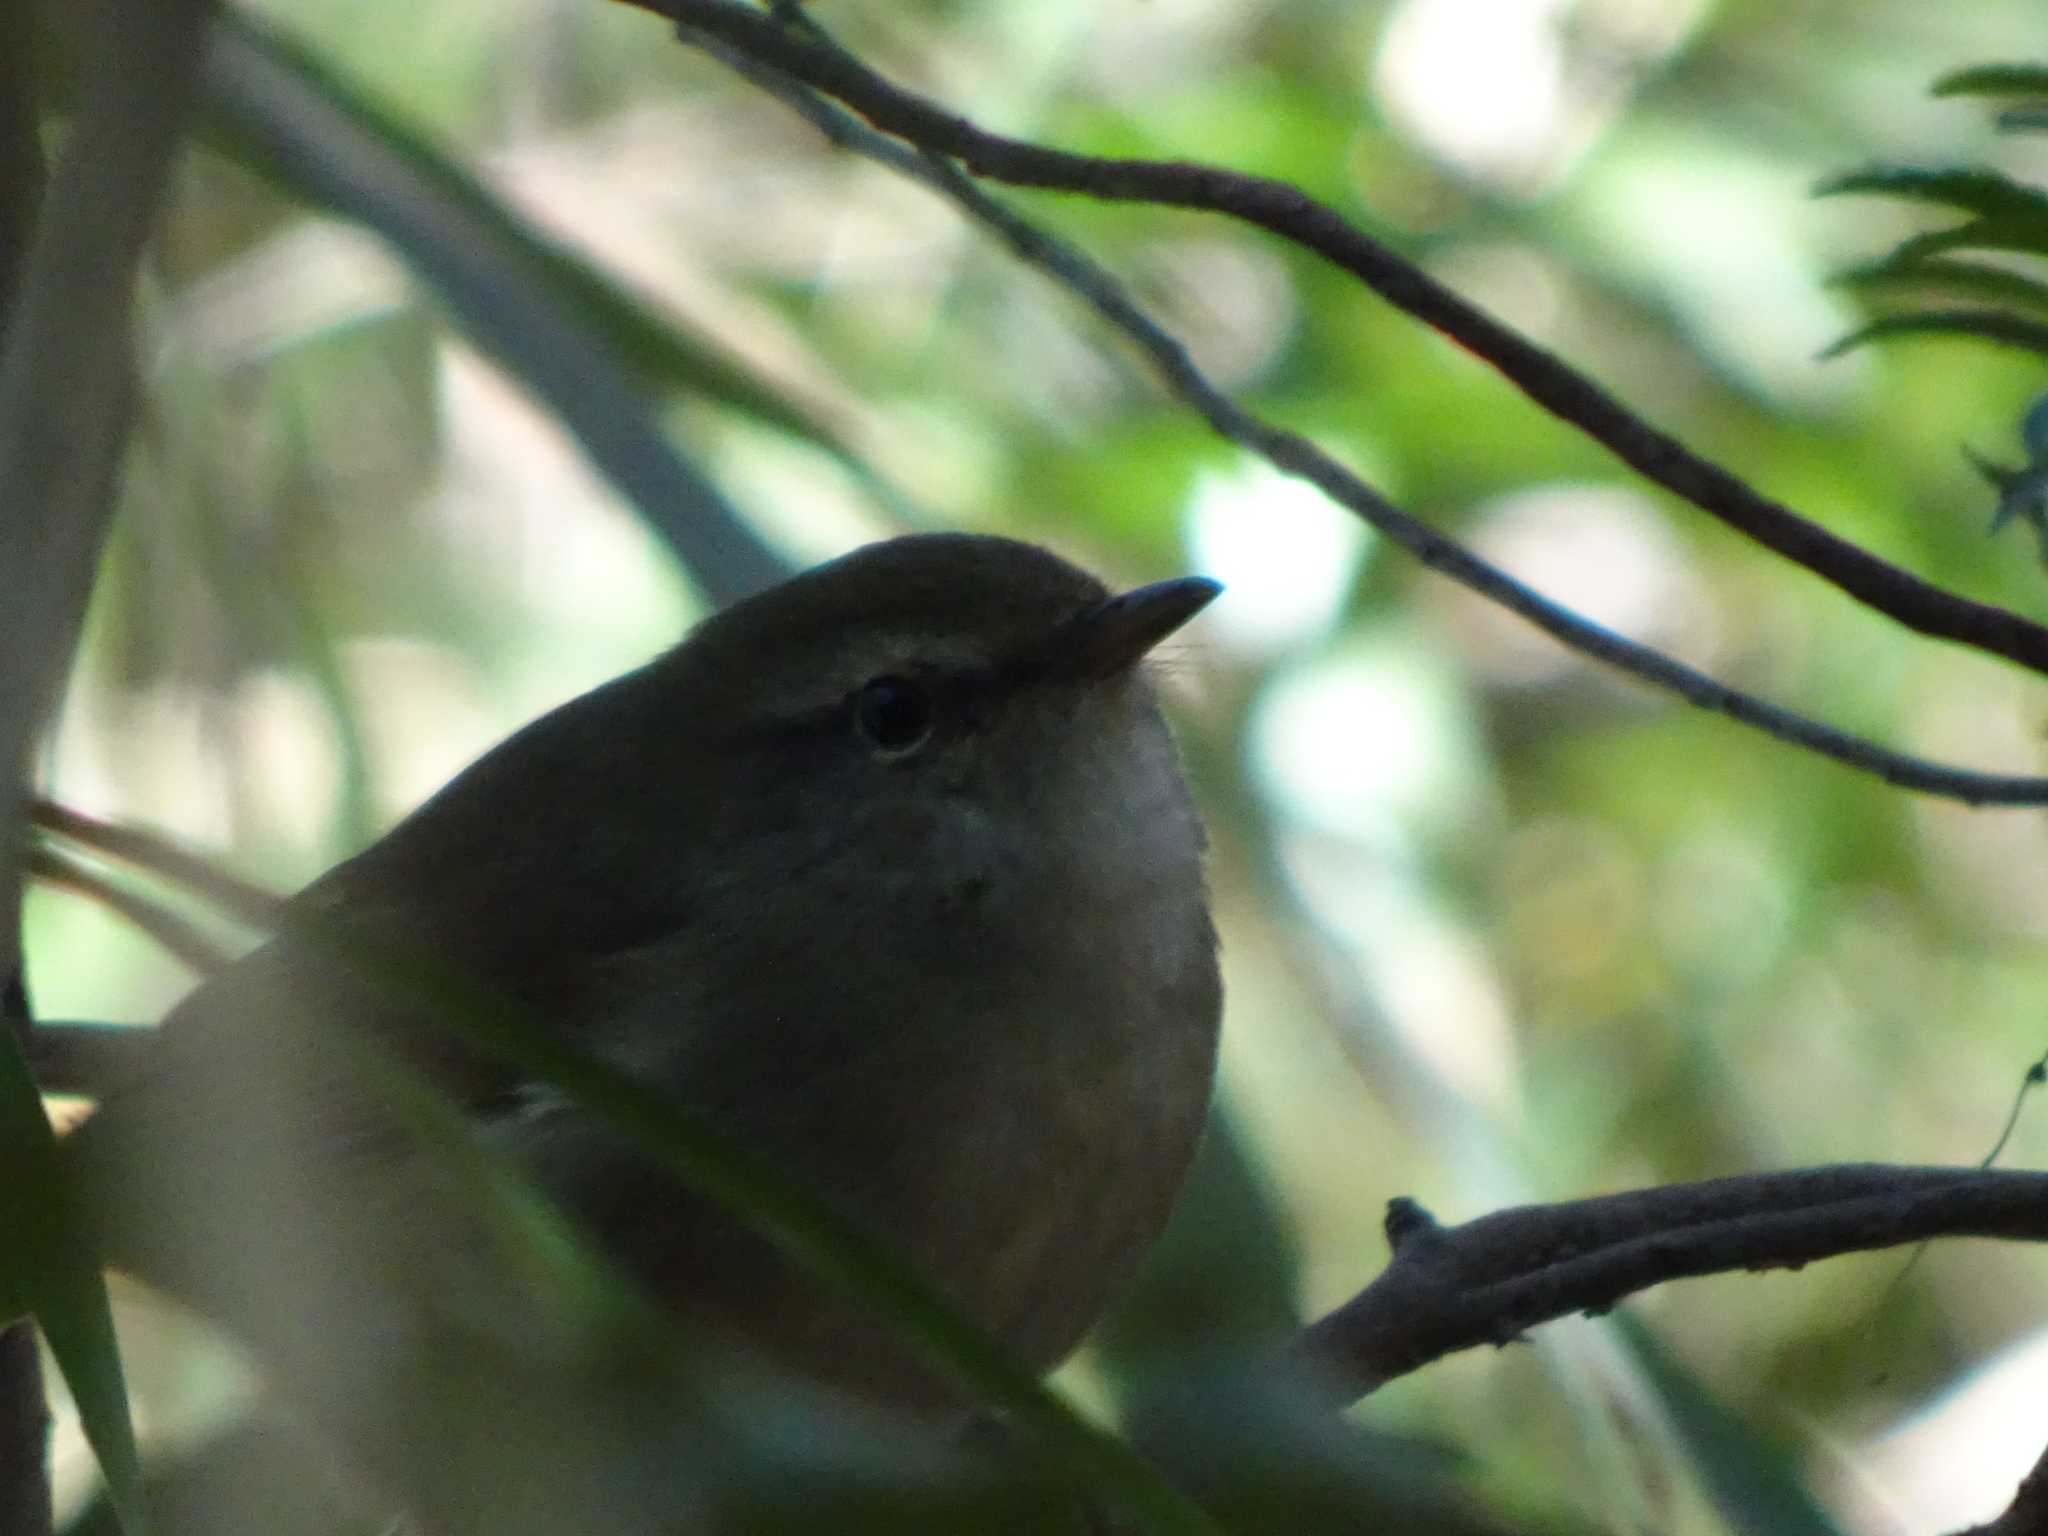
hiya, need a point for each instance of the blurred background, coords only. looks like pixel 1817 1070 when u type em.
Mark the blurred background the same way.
pixel 1498 926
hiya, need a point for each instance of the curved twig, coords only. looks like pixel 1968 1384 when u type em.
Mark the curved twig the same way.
pixel 1287 211
pixel 1298 455
pixel 243 900
pixel 185 942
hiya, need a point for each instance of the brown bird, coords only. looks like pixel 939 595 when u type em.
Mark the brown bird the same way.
pixel 890 873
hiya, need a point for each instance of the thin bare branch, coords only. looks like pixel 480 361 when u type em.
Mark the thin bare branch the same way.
pixel 1490 1280
pixel 1298 455
pixel 184 941
pixel 1287 211
pixel 243 900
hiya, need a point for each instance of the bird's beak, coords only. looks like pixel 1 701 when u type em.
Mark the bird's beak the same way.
pixel 1112 636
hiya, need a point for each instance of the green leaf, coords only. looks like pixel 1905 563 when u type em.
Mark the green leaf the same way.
pixel 1980 324
pixel 1994 80
pixel 47 1269
pixel 1986 193
pixel 641 339
pixel 1994 286
pixel 1750 1481
pixel 1977 234
pixel 538 312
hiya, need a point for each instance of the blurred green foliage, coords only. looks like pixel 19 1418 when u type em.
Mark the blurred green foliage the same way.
pixel 1498 928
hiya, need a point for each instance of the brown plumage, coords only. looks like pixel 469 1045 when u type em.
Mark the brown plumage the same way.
pixel 890 872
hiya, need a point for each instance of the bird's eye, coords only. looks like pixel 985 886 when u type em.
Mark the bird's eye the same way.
pixel 894 713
